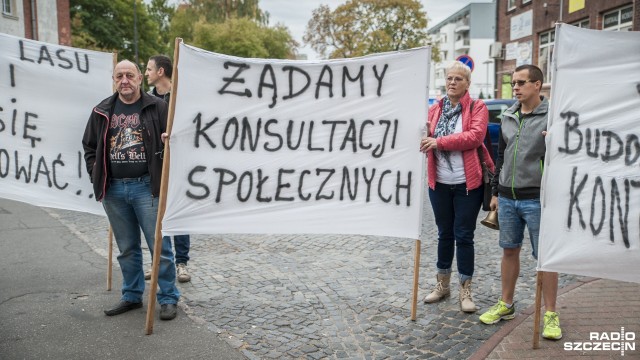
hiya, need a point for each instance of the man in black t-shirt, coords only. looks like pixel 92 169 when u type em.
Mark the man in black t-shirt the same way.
pixel 123 153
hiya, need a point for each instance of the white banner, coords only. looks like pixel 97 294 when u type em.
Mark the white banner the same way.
pixel 591 199
pixel 47 92
pixel 274 146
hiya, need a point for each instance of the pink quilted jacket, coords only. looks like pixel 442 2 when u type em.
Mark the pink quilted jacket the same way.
pixel 474 128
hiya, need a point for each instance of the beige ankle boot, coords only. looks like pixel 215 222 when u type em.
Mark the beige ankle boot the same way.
pixel 442 289
pixel 466 302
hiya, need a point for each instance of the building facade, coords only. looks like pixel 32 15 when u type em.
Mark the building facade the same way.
pixel 43 20
pixel 526 31
pixel 469 33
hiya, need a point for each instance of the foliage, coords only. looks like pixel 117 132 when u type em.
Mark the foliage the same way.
pixel 108 25
pixel 245 38
pixel 162 13
pixel 361 27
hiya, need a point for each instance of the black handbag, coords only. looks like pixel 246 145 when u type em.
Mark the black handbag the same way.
pixel 487 174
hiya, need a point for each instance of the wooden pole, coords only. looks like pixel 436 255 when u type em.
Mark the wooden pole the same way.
pixel 164 185
pixel 110 260
pixel 416 277
pixel 536 320
pixel 110 236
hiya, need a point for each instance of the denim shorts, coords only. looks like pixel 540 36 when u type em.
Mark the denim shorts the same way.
pixel 513 215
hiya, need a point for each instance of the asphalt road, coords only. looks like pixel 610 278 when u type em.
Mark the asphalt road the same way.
pixel 53 293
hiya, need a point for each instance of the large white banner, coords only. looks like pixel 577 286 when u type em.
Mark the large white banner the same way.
pixel 591 197
pixel 47 92
pixel 273 146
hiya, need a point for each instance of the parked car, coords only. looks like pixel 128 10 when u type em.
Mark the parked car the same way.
pixel 496 107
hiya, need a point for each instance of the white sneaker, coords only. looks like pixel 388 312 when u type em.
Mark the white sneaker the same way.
pixel 147 275
pixel 183 273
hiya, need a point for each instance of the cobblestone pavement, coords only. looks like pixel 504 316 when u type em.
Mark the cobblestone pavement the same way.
pixel 332 296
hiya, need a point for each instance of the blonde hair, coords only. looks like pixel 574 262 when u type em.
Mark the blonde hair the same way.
pixel 460 67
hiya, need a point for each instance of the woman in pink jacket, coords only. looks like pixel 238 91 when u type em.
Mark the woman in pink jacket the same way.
pixel 456 129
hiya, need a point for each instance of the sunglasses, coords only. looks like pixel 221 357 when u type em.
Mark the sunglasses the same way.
pixel 521 82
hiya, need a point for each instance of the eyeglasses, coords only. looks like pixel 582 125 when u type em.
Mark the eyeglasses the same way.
pixel 451 79
pixel 521 82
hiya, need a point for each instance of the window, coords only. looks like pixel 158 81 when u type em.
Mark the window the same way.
pixel 547 39
pixel 525 1
pixel 511 4
pixel 582 23
pixel 618 20
pixel 6 7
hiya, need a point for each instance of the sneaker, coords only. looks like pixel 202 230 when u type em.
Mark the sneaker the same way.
pixel 498 312
pixel 183 273
pixel 147 275
pixel 552 329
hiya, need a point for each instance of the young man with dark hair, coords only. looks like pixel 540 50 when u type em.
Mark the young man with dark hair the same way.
pixel 158 73
pixel 516 194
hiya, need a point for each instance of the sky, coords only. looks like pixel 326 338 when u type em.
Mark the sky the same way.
pixel 295 14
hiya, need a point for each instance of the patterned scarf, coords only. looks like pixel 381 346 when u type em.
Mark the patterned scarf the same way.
pixel 446 125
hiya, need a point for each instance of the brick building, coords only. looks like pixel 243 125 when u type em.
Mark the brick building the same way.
pixel 525 31
pixel 43 20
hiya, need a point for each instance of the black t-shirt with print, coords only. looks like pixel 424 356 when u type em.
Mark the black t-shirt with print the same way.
pixel 127 156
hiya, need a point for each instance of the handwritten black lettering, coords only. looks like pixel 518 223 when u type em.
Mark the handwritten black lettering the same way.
pixel 272 85
pixel 246 174
pixel 387 199
pixel 240 67
pixel 406 186
pixel 300 186
pixel 328 84
pixel 292 94
pixel 190 178
pixel 380 77
pixel 201 131
pixel 329 173
pixel 346 182
pixel 346 75
pixel 283 185
pixel 268 132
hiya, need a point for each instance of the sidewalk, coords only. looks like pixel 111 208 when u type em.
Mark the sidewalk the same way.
pixel 589 306
pixel 52 297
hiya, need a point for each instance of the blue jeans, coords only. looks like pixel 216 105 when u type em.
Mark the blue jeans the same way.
pixel 456 212
pixel 182 243
pixel 130 207
pixel 513 215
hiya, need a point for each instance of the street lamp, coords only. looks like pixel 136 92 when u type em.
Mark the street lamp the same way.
pixel 489 90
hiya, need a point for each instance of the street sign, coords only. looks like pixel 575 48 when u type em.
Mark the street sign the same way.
pixel 467 60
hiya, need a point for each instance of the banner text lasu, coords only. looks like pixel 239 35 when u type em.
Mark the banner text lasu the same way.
pixel 48 92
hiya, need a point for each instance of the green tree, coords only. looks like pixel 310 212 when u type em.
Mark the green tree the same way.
pixel 232 27
pixel 108 25
pixel 245 38
pixel 162 13
pixel 361 27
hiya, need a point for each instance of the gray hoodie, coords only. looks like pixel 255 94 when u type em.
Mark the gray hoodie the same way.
pixel 521 152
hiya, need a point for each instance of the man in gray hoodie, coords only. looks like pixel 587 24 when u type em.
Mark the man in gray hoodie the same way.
pixel 516 194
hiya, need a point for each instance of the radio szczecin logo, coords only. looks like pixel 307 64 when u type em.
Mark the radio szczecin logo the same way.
pixel 605 341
